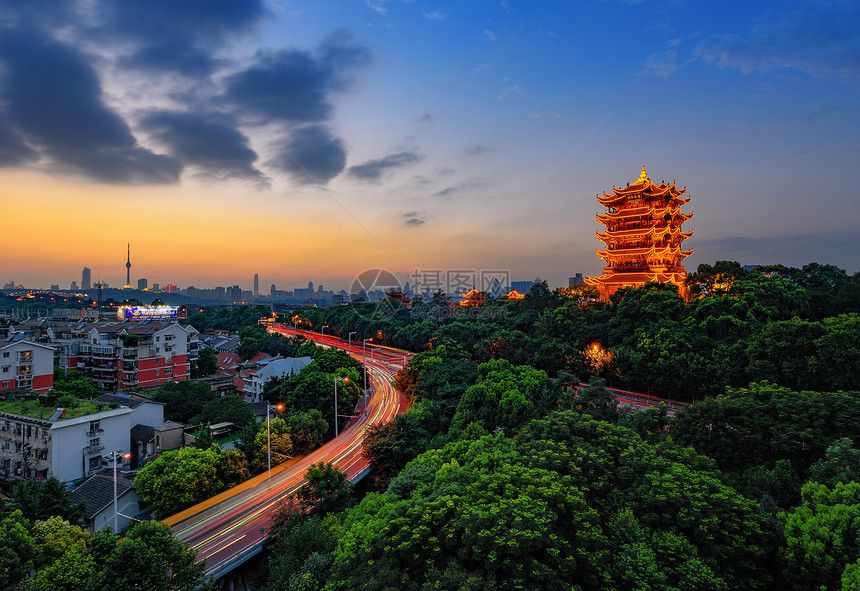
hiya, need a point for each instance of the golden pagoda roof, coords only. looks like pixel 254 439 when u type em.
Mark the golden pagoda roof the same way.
pixel 515 295
pixel 645 251
pixel 643 233
pixel 652 211
pixel 644 187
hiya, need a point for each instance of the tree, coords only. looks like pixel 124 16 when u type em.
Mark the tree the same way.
pixel 226 409
pixel 207 364
pixel 307 430
pixel 184 400
pixel 204 439
pixel 17 549
pixel 277 439
pixel 179 479
pixel 39 501
pixel 325 490
pixel 150 557
pixel 821 536
pixel 70 572
pixel 54 537
pixel 841 463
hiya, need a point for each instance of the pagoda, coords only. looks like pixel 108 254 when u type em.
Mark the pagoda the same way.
pixel 643 236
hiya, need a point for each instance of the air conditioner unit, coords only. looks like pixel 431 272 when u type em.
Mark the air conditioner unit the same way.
pixel 46 437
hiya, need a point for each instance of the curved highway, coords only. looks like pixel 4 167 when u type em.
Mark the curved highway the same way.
pixel 229 528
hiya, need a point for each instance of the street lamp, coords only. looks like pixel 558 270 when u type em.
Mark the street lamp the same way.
pixel 349 340
pixel 115 509
pixel 336 380
pixel 364 361
pixel 269 407
pixel 322 331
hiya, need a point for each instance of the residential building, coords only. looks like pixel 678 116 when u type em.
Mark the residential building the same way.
pixel 69 446
pixel 98 493
pixel 26 366
pixel 86 278
pixel 277 368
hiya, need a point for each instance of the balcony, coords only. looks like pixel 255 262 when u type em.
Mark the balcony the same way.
pixel 95 432
pixel 129 367
pixel 129 354
pixel 94 448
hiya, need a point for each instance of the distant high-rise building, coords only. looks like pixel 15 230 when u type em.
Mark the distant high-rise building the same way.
pixel 172 288
pixel 128 267
pixel 73 286
pixel 256 284
pixel 141 283
pixel 522 287
pixel 156 287
pixel 273 290
pixel 234 294
pixel 86 278
pixel 311 286
pixel 55 287
pixel 575 280
pixel 320 289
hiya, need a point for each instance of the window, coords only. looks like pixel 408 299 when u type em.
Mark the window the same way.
pixel 5 384
pixel 25 355
pixel 156 372
pixel 95 463
pixel 6 368
pixel 167 370
pixel 5 354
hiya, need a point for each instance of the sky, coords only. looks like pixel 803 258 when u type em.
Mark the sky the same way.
pixel 313 140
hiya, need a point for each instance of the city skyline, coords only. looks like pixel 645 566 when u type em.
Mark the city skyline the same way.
pixel 304 141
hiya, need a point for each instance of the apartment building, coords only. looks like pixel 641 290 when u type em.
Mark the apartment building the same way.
pixel 26 366
pixel 66 446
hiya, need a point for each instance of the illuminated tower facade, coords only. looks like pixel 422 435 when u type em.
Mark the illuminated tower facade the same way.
pixel 128 267
pixel 643 236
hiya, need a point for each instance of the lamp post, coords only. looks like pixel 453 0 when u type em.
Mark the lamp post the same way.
pixel 277 408
pixel 336 380
pixel 364 362
pixel 322 331
pixel 349 340
pixel 115 508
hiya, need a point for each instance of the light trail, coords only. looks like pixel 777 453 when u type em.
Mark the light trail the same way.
pixel 229 528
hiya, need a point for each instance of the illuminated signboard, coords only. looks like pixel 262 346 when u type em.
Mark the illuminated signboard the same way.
pixel 147 313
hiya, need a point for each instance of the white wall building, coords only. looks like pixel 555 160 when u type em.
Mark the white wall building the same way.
pixel 277 368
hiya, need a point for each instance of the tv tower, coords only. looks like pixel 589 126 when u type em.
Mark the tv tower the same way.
pixel 128 267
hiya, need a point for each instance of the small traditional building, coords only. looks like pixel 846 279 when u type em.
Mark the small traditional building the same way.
pixel 643 236
pixel 472 297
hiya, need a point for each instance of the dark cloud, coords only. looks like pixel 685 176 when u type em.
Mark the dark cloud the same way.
pixel 177 57
pixel 311 155
pixel 373 170
pixel 412 218
pixel 209 141
pixel 448 191
pixel 295 86
pixel 819 39
pixel 427 118
pixel 477 150
pixel 53 98
pixel 177 36
pixel 13 150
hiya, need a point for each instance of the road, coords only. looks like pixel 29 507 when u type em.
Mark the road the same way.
pixel 229 528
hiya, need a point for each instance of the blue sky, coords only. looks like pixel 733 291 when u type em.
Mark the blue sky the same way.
pixel 313 140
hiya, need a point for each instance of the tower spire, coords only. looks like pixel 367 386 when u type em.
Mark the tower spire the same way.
pixel 128 267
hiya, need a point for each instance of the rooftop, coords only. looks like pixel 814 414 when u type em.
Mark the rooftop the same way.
pixel 35 409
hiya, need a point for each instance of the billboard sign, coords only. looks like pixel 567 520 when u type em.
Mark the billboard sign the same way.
pixel 147 313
